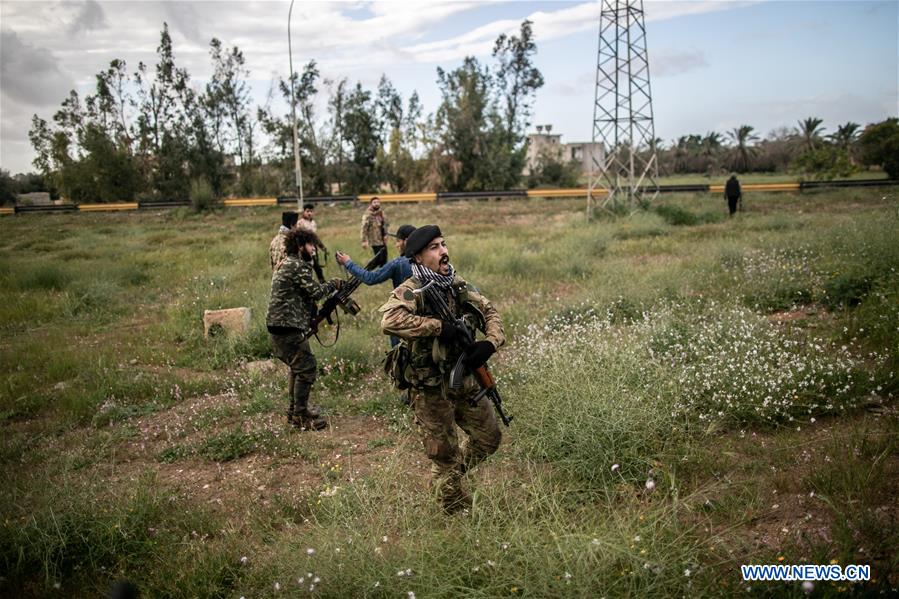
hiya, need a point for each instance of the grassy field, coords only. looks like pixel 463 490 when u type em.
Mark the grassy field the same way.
pixel 690 393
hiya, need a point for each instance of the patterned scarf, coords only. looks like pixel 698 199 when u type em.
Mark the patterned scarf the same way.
pixel 426 275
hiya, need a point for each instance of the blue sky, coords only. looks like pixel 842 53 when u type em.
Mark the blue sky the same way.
pixel 715 65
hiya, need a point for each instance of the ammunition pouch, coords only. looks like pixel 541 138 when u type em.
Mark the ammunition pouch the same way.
pixel 396 362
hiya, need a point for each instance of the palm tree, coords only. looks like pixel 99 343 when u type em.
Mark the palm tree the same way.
pixel 711 148
pixel 742 137
pixel 846 135
pixel 810 131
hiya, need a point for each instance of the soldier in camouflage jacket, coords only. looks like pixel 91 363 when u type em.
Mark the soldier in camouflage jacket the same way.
pixel 293 303
pixel 374 231
pixel 276 251
pixel 434 347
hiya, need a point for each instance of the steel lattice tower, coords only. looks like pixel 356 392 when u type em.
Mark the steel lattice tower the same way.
pixel 627 169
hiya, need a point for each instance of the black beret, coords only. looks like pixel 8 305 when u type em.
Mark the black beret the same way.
pixel 404 231
pixel 420 238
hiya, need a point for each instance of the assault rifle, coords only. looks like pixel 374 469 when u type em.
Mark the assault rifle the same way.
pixel 341 298
pixel 482 373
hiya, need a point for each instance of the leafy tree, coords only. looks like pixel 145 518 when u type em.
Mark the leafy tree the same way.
pixel 165 106
pixel 396 164
pixel 462 120
pixel 8 188
pixel 517 81
pixel 825 161
pixel 227 102
pixel 313 156
pixel 550 171
pixel 880 146
pixel 360 130
pixel 337 108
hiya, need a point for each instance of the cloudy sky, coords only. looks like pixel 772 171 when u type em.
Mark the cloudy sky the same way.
pixel 714 64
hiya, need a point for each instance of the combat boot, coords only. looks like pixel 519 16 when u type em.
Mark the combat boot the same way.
pixel 306 417
pixel 307 422
pixel 456 500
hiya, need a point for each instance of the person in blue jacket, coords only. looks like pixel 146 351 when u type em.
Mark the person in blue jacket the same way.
pixel 397 270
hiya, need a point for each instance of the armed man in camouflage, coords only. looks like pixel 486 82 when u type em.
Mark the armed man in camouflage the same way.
pixel 434 347
pixel 276 251
pixel 294 294
pixel 374 231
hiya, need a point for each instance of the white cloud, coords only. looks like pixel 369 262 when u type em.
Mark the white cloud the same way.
pixel 668 62
pixel 555 24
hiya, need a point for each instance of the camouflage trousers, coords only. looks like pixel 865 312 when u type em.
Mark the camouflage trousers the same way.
pixel 294 351
pixel 438 410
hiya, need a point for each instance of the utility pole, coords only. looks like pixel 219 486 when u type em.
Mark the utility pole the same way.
pixel 625 172
pixel 297 168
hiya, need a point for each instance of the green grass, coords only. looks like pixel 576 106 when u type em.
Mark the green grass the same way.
pixel 727 360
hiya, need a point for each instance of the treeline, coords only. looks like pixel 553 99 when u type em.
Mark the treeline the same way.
pixel 806 150
pixel 152 135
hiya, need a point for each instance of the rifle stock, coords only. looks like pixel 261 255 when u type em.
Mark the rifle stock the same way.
pixel 488 389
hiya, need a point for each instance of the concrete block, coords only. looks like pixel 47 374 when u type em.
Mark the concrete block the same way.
pixel 232 320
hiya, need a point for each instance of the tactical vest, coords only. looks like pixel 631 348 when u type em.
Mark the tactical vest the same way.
pixel 429 359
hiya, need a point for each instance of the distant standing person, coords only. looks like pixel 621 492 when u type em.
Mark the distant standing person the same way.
pixel 276 251
pixel 307 223
pixel 397 270
pixel 374 230
pixel 732 193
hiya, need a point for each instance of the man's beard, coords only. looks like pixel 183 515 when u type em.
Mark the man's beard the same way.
pixel 306 256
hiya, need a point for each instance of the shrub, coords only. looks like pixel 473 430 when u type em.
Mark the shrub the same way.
pixel 677 216
pixel 201 196
pixel 44 276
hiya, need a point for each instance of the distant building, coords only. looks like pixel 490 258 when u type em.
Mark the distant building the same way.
pixel 585 153
pixel 550 146
pixel 35 198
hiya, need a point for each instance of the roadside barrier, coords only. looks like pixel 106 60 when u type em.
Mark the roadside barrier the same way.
pixel 451 196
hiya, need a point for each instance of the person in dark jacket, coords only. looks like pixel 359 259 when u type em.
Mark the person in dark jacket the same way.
pixel 732 193
pixel 397 270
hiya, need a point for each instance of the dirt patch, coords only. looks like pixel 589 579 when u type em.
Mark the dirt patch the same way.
pixel 290 467
pixel 790 513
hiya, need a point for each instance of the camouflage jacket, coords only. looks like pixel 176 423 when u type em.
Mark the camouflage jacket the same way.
pixel 307 225
pixel 294 293
pixel 372 230
pixel 413 322
pixel 276 251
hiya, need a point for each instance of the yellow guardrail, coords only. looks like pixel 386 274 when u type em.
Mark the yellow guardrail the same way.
pixel 786 186
pixel 251 202
pixel 572 192
pixel 399 197
pixel 106 207
pixel 578 192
